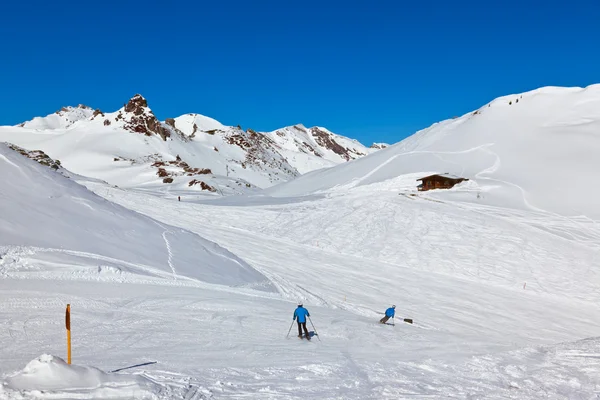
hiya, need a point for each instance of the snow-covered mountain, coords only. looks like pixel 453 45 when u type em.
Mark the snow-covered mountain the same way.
pixel 314 148
pixel 132 148
pixel 533 151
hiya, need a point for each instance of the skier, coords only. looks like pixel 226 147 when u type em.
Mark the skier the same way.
pixel 301 313
pixel 389 313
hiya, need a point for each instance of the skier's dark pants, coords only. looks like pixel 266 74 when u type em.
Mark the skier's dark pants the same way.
pixel 300 326
pixel 384 319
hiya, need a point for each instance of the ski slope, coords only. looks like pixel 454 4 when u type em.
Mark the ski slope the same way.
pixel 474 336
pixel 503 293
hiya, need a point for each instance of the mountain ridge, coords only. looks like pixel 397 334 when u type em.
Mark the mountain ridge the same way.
pixel 232 160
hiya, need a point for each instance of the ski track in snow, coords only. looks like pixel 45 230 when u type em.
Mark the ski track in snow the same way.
pixel 11 163
pixel 170 253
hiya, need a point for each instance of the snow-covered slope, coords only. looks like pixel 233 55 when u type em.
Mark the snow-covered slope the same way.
pixel 191 154
pixel 63 118
pixel 533 151
pixel 51 223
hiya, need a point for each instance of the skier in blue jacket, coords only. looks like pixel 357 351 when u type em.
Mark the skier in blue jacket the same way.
pixel 389 313
pixel 301 313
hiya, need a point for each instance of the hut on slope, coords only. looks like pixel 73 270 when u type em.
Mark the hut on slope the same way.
pixel 439 181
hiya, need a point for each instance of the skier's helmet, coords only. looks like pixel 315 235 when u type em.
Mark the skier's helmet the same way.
pixel 394 306
pixel 300 304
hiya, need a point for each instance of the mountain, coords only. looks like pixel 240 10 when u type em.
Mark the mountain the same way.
pixel 533 151
pixel 189 154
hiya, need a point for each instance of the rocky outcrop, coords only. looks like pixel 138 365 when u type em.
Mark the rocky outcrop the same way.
pixel 327 141
pixel 203 185
pixel 261 152
pixel 38 156
pixel 140 119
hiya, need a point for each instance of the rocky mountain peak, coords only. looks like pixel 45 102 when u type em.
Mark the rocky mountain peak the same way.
pixel 136 105
pixel 327 140
pixel 139 118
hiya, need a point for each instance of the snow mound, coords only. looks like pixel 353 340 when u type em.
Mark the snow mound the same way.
pixel 50 377
pixel 51 223
pixel 49 372
pixel 533 151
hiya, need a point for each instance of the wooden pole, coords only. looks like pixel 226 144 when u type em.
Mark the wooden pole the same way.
pixel 68 326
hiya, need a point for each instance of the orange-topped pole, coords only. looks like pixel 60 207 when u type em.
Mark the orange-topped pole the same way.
pixel 68 325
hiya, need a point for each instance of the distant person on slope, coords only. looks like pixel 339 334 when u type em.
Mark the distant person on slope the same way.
pixel 389 313
pixel 301 313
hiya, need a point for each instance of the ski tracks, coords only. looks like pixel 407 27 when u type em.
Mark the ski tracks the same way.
pixel 170 254
pixel 178 386
pixel 294 292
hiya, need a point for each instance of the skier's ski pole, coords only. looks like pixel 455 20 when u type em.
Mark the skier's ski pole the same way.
pixel 288 335
pixel 315 329
pixel 393 322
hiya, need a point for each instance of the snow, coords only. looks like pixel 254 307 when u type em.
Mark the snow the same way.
pixel 185 123
pixel 193 299
pixel 64 118
pixel 53 373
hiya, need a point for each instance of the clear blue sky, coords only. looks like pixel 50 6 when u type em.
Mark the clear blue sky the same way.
pixel 376 71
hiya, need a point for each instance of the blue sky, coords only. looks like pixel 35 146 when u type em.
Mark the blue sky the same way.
pixel 375 71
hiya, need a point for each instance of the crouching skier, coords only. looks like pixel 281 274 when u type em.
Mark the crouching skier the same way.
pixel 389 313
pixel 301 313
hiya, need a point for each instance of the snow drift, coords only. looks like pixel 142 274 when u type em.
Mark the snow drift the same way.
pixel 49 372
pixel 50 377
